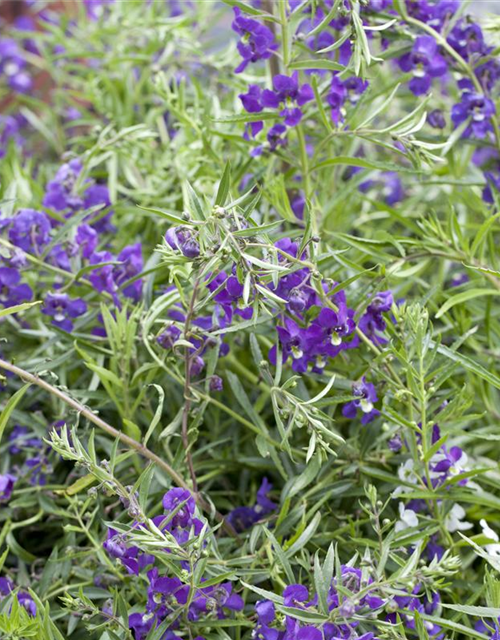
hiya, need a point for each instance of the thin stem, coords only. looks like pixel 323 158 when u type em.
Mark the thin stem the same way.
pixel 187 385
pixel 285 42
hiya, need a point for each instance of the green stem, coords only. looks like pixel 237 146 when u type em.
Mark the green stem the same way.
pixel 285 41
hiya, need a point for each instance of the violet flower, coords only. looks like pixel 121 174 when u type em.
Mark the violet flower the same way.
pixel 257 42
pixel 365 397
pixel 28 229
pixel 12 291
pixel 183 240
pixel 13 66
pixel 425 63
pixel 7 482
pixel 476 109
pixel 63 309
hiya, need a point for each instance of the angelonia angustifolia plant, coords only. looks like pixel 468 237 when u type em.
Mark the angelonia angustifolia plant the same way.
pixel 249 321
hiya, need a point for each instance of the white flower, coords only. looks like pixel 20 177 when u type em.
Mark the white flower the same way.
pixel 407 518
pixel 491 549
pixel 453 521
pixel 406 474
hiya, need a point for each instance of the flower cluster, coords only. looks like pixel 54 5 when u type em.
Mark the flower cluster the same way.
pixel 30 233
pixel 166 594
pixel 351 608
pixel 257 41
pixel 288 96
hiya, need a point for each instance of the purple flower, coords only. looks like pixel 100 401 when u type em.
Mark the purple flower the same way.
pixel 294 343
pixel 168 337
pixel 459 279
pixel 141 625
pixel 243 518
pixel 102 278
pixel 61 308
pixel 333 325
pixel 336 98
pixel 436 119
pixel 216 383
pixel 171 502
pixel 130 556
pixel 365 397
pixel 12 292
pixel 183 240
pixel 132 265
pixel 6 586
pixel 26 601
pixel 87 239
pixel 97 195
pixel 38 466
pixel 341 91
pixel 295 594
pixel 491 628
pixel 59 194
pixel 7 482
pixel 309 633
pixel 476 109
pixel 20 439
pixel 372 322
pixel 252 100
pixel 425 63
pixel 286 95
pixel 447 463
pixel 265 611
pixel 12 66
pixel 468 40
pixel 162 591
pixel 298 205
pixel 196 365
pixel 257 41
pixel 492 186
pixel 95 8
pixel 29 230
pixel 276 136
pixel 10 130
pixel 381 302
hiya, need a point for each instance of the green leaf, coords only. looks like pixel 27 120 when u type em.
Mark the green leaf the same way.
pixel 10 406
pixel 464 296
pixel 195 205
pixel 466 632
pixel 225 183
pixel 158 413
pixel 469 365
pixel 281 556
pixel 243 118
pixel 364 163
pixel 171 217
pixel 304 537
pixel 484 612
pixel 18 308
pixel 267 595
pixel 316 63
